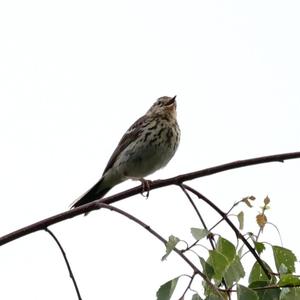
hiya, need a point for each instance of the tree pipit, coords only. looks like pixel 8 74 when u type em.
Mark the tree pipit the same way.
pixel 147 146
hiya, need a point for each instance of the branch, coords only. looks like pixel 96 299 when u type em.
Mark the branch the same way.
pixel 66 261
pixel 158 236
pixel 188 287
pixel 136 190
pixel 210 237
pixel 236 231
pixel 263 288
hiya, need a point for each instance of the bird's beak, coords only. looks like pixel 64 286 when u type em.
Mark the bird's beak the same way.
pixel 171 106
pixel 172 101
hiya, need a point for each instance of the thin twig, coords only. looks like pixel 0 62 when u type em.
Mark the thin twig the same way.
pixel 136 190
pixel 159 237
pixel 262 288
pixel 236 231
pixel 189 286
pixel 277 232
pixel 194 205
pixel 66 261
pixel 228 212
pixel 210 236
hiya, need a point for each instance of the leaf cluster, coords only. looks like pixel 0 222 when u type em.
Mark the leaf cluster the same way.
pixel 224 268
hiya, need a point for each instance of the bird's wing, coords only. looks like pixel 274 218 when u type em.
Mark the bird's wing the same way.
pixel 130 136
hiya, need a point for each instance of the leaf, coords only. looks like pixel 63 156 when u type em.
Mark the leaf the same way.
pixel 221 259
pixel 290 294
pixel 284 256
pixel 240 217
pixel 196 297
pixel 207 269
pixel 256 284
pixel 288 279
pixel 212 293
pixel 283 269
pixel 226 248
pixel 244 293
pixel 266 200
pixel 219 262
pixel 214 297
pixel 247 202
pixel 265 294
pixel 258 274
pixel 234 272
pixel 259 247
pixel 199 233
pixel 261 220
pixel 166 290
pixel 170 245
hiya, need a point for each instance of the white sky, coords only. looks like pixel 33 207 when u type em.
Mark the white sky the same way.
pixel 74 75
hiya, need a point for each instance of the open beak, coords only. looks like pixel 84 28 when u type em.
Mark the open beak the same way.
pixel 172 101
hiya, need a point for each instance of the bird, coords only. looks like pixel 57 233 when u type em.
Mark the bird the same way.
pixel 147 146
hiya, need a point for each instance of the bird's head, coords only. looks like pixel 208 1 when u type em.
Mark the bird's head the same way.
pixel 163 105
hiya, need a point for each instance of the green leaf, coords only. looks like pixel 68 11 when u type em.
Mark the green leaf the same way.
pixel 265 294
pixel 222 258
pixel 219 262
pixel 290 294
pixel 166 290
pixel 258 274
pixel 207 269
pixel 226 248
pixel 240 217
pixel 256 284
pixel 199 233
pixel 286 257
pixel 234 272
pixel 288 279
pixel 244 293
pixel 196 297
pixel 170 245
pixel 283 269
pixel 259 247
pixel 270 294
pixel 214 297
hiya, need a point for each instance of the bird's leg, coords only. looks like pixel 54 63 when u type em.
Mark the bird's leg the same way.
pixel 145 187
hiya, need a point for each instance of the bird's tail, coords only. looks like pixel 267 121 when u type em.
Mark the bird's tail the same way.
pixel 96 192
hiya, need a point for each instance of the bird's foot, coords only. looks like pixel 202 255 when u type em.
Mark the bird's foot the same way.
pixel 145 187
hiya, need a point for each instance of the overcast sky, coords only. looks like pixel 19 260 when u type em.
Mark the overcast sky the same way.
pixel 74 75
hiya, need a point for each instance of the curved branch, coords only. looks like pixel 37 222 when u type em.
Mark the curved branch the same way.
pixel 66 261
pixel 211 238
pixel 136 190
pixel 195 208
pixel 189 286
pixel 159 237
pixel 235 230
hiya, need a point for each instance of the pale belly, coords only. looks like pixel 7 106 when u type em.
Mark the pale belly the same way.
pixel 146 160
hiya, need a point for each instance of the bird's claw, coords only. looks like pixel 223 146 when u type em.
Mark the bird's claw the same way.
pixel 145 187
